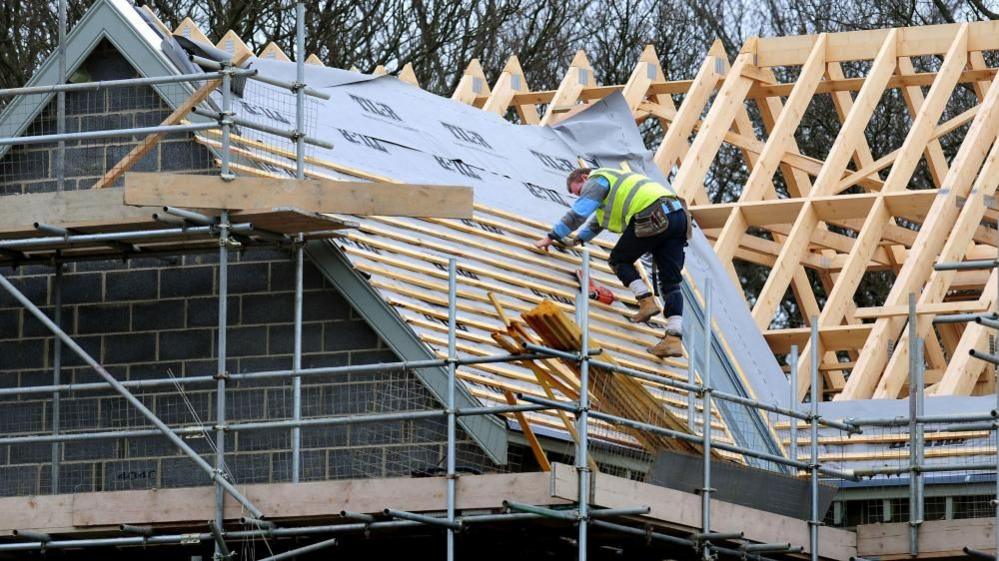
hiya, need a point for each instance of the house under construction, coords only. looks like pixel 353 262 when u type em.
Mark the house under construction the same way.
pixel 264 309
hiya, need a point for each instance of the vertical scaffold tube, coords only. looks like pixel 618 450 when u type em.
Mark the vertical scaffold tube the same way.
pixel 452 355
pixel 56 371
pixel 813 523
pixel 692 380
pixel 920 442
pixel 221 373
pixel 793 404
pixel 913 422
pixel 706 409
pixel 226 156
pixel 61 107
pixel 296 365
pixel 300 91
pixel 582 428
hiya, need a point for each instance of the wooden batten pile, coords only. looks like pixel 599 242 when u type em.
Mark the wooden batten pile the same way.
pixel 614 393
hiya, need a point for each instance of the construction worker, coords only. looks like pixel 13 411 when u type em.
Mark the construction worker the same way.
pixel 651 219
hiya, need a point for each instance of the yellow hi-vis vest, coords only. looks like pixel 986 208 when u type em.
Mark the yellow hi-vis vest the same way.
pixel 629 194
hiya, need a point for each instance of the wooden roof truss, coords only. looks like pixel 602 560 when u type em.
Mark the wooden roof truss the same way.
pixel 850 189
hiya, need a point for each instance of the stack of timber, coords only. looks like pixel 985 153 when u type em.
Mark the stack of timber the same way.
pixel 616 394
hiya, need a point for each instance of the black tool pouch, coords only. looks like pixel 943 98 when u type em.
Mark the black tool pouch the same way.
pixel 690 219
pixel 652 220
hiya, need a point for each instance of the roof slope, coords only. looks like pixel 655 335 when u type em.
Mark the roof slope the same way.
pixel 385 129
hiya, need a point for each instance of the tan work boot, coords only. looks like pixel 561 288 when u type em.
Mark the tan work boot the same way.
pixel 647 308
pixel 670 345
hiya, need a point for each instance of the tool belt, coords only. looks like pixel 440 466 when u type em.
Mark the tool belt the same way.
pixel 654 219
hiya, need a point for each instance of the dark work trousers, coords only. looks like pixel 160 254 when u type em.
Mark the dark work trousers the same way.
pixel 667 253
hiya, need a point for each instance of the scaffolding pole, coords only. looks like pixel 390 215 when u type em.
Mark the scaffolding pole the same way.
pixel 60 167
pixel 582 428
pixel 56 370
pixel 706 411
pixel 793 403
pixel 813 522
pixel 221 373
pixel 271 374
pixel 452 328
pixel 915 430
pixel 296 381
pixel 299 90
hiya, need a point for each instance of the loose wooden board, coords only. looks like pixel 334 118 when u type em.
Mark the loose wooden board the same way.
pixel 683 511
pixel 103 211
pixel 316 195
pixel 937 538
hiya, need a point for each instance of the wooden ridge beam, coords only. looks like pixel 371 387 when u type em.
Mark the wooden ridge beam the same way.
pixel 912 205
pixel 907 80
pixel 864 45
pixel 939 308
pixel 760 90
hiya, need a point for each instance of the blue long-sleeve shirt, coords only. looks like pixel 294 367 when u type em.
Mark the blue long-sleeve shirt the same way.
pixel 590 198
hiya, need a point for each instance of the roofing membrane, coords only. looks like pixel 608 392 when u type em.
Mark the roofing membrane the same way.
pixel 390 129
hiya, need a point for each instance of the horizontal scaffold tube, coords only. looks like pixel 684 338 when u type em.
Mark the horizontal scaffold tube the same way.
pixel 263 425
pixel 898 470
pixel 657 536
pixel 283 532
pixel 970 265
pixel 268 374
pixel 108 84
pixel 111 133
pixel 926 419
pixel 77 239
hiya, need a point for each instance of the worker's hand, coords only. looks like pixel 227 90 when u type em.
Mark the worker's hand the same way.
pixel 571 240
pixel 542 244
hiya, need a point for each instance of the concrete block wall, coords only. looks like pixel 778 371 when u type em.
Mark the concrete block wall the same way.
pixel 31 168
pixel 152 318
